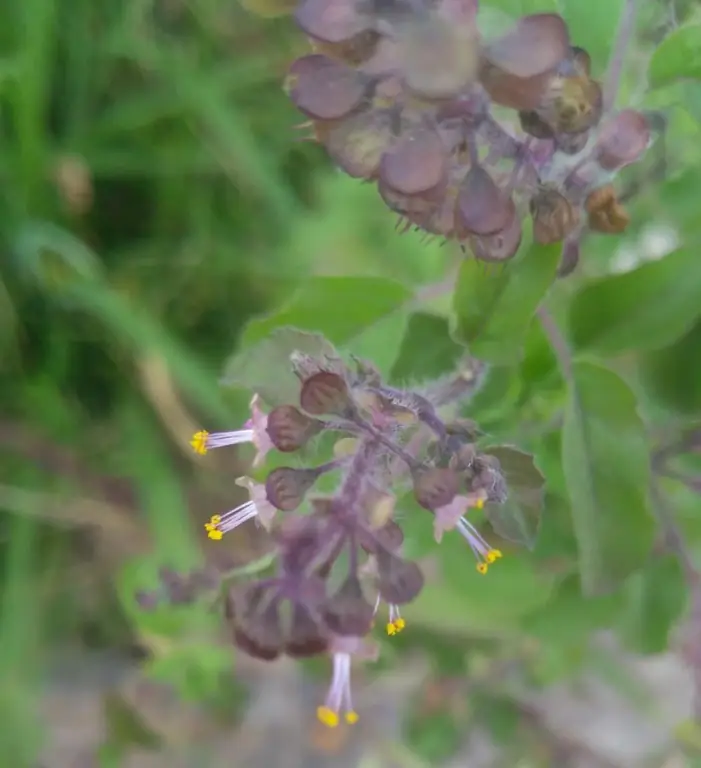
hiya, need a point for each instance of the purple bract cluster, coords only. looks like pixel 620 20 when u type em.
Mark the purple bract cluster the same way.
pixel 464 136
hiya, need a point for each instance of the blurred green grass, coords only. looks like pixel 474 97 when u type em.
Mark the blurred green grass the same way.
pixel 155 198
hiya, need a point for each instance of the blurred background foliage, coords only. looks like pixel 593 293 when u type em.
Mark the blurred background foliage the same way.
pixel 156 199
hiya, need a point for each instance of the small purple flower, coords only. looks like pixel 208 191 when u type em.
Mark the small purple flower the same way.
pixel 453 516
pixel 257 507
pixel 339 699
pixel 254 431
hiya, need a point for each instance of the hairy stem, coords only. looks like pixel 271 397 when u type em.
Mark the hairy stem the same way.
pixel 624 35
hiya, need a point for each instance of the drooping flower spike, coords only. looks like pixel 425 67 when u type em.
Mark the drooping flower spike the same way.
pixel 332 550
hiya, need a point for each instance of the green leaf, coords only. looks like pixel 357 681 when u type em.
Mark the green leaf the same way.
pixel 326 311
pixel 512 9
pixel 339 307
pixel 518 519
pixel 494 306
pixel 569 617
pixel 677 56
pixel 428 351
pixel 265 367
pixel 434 737
pixel 655 598
pixel 606 466
pixel 644 309
pixel 672 376
pixel 125 726
pixel 593 26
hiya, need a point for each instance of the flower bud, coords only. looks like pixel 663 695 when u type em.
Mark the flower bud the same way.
pixel 357 143
pixel 554 217
pixel 534 125
pixel 289 429
pixel 326 393
pixel 324 89
pixel 435 487
pixel 286 487
pixel 399 581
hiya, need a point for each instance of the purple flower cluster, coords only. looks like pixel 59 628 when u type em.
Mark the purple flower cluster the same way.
pixel 465 136
pixel 339 556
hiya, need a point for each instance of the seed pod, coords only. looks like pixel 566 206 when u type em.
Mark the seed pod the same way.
pixel 306 635
pixel 347 612
pixel 482 208
pixel 357 143
pixel 435 487
pixel 600 198
pixel 439 58
pixel 324 89
pixel 612 220
pixel 286 487
pixel 354 51
pixel 581 60
pixel 412 207
pixel 499 247
pixel 303 540
pixel 400 581
pixel 536 44
pixel 570 257
pixel 534 125
pixel 571 104
pixel 289 429
pixel 389 537
pixel 331 21
pixel 512 91
pixel 326 393
pixel 554 217
pixel 571 143
pixel 416 163
pixel 437 219
pixel 257 623
pixel 622 140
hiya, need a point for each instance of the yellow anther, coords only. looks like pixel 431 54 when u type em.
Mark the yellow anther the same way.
pixel 328 717
pixel 399 624
pixel 391 629
pixel 351 717
pixel 199 442
pixel 479 504
pixel 497 553
pixel 482 568
pixel 212 528
pixel 491 557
